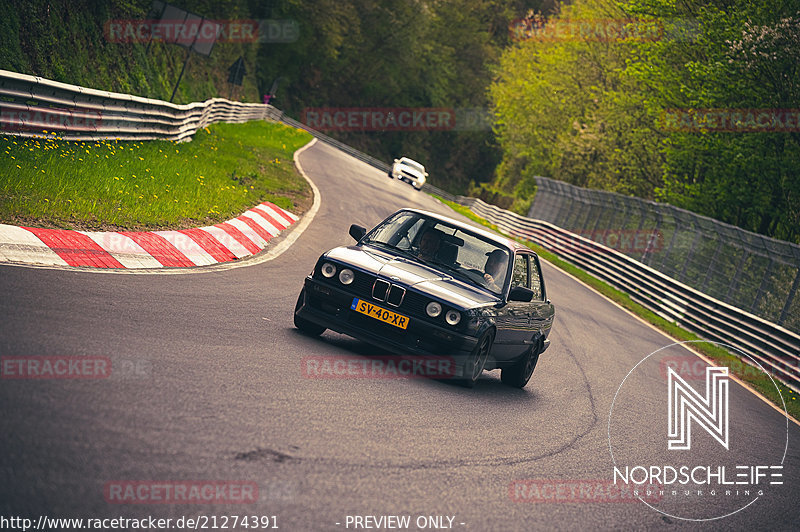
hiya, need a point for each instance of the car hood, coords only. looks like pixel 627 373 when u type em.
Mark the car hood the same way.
pixel 409 272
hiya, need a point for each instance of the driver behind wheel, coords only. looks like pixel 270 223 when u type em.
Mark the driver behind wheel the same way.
pixel 495 270
pixel 429 244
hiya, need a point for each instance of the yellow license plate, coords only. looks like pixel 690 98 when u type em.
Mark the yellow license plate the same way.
pixel 381 314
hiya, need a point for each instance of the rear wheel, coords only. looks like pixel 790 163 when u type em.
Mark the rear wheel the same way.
pixel 520 373
pixel 304 325
pixel 476 361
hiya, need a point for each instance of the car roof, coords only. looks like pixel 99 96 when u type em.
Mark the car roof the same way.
pixel 513 245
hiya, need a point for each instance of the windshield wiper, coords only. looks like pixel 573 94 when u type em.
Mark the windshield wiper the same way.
pixel 390 247
pixel 458 273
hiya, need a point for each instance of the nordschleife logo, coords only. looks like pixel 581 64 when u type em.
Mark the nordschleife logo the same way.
pixel 696 444
pixel 686 405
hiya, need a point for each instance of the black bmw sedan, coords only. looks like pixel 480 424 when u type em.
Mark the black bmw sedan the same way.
pixel 426 285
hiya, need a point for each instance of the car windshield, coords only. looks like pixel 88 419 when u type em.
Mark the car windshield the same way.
pixel 451 249
pixel 413 164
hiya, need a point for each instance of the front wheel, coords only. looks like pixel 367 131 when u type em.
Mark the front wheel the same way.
pixel 476 361
pixel 520 373
pixel 304 325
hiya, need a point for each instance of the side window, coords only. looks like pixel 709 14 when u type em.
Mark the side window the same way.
pixel 520 277
pixel 536 281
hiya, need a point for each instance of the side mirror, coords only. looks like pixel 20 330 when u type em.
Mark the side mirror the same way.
pixel 357 232
pixel 520 293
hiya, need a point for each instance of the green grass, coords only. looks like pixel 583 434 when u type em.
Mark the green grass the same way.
pixel 754 378
pixel 225 170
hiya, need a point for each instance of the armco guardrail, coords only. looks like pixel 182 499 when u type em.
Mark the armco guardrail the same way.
pixel 776 348
pixel 30 105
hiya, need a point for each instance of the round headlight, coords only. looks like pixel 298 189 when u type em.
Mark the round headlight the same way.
pixel 433 309
pixel 452 317
pixel 328 270
pixel 346 276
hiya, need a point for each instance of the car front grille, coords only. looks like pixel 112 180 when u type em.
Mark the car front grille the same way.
pixel 379 289
pixel 398 298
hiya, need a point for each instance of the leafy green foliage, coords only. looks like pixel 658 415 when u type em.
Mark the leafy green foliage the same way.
pixel 590 111
pixel 64 40
pixel 362 53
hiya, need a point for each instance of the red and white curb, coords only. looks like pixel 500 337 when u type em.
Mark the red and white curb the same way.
pixel 234 239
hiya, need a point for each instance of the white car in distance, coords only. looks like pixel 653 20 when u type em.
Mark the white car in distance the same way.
pixel 410 171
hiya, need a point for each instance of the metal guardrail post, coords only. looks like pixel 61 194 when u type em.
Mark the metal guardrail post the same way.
pixel 711 264
pixel 789 299
pixel 764 279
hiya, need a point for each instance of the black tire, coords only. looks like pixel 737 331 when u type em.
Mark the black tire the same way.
pixel 473 367
pixel 390 175
pixel 520 373
pixel 304 325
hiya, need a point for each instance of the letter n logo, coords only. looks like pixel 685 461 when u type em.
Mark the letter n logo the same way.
pixel 709 411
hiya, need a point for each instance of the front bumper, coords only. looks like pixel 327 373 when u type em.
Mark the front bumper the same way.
pixel 412 180
pixel 329 307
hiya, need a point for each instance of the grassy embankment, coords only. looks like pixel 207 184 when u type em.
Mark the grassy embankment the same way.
pixel 752 377
pixel 104 185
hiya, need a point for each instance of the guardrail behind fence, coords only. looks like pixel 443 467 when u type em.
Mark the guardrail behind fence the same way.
pixel 744 269
pixel 776 348
pixel 33 106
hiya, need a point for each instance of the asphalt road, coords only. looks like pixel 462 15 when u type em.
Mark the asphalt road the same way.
pixel 217 392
